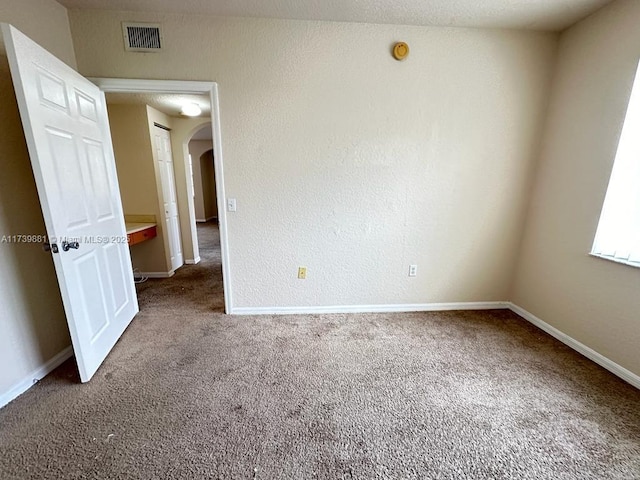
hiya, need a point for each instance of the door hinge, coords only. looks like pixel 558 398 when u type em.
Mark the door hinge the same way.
pixel 50 247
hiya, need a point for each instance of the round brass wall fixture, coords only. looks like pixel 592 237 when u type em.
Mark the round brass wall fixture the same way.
pixel 400 51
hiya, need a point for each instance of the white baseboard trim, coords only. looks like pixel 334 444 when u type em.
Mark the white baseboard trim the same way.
pixel 588 352
pixel 192 261
pixel 32 378
pixel 407 307
pixel 626 375
pixel 156 274
pixel 204 220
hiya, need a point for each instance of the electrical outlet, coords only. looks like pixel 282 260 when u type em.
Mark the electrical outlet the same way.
pixel 302 273
pixel 413 270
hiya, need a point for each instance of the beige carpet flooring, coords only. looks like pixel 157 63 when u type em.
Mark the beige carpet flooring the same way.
pixel 191 393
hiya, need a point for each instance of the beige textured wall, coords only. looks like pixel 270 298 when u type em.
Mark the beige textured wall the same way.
pixel 137 178
pixel 208 185
pixel 196 149
pixel 33 327
pixel 592 300
pixel 351 163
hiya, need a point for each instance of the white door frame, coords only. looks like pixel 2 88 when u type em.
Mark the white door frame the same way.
pixel 125 85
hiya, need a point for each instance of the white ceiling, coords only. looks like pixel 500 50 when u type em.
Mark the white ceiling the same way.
pixel 169 104
pixel 521 14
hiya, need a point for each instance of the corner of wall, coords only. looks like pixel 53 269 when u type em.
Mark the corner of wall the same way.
pixel 535 167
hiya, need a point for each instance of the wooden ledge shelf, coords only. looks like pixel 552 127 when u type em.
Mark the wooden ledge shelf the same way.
pixel 140 228
pixel 140 232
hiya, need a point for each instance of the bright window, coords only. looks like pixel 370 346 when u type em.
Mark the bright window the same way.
pixel 618 234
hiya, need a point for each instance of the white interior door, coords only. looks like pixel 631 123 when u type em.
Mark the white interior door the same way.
pixel 67 131
pixel 169 197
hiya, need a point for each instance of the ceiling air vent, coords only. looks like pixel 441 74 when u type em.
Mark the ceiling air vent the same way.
pixel 142 37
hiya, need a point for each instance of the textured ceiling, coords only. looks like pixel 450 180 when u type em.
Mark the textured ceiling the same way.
pixel 522 14
pixel 169 104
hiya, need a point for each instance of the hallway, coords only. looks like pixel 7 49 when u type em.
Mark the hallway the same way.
pixel 193 287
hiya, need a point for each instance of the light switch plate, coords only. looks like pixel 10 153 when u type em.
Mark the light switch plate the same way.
pixel 231 204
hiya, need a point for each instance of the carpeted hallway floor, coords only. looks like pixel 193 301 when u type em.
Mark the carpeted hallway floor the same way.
pixel 191 393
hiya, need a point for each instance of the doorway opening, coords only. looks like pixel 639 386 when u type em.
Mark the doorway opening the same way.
pixel 66 129
pixel 201 158
pixel 183 167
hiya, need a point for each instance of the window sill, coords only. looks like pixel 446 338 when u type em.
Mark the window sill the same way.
pixel 616 260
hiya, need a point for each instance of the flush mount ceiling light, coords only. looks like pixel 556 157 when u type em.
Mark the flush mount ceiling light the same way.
pixel 191 110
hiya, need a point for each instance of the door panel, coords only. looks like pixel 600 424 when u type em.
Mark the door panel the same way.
pixel 67 132
pixel 92 298
pixel 101 187
pixel 169 196
pixel 66 168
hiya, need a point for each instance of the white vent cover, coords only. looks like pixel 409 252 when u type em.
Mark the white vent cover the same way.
pixel 142 37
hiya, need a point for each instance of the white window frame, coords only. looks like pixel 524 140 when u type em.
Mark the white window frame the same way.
pixel 618 234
